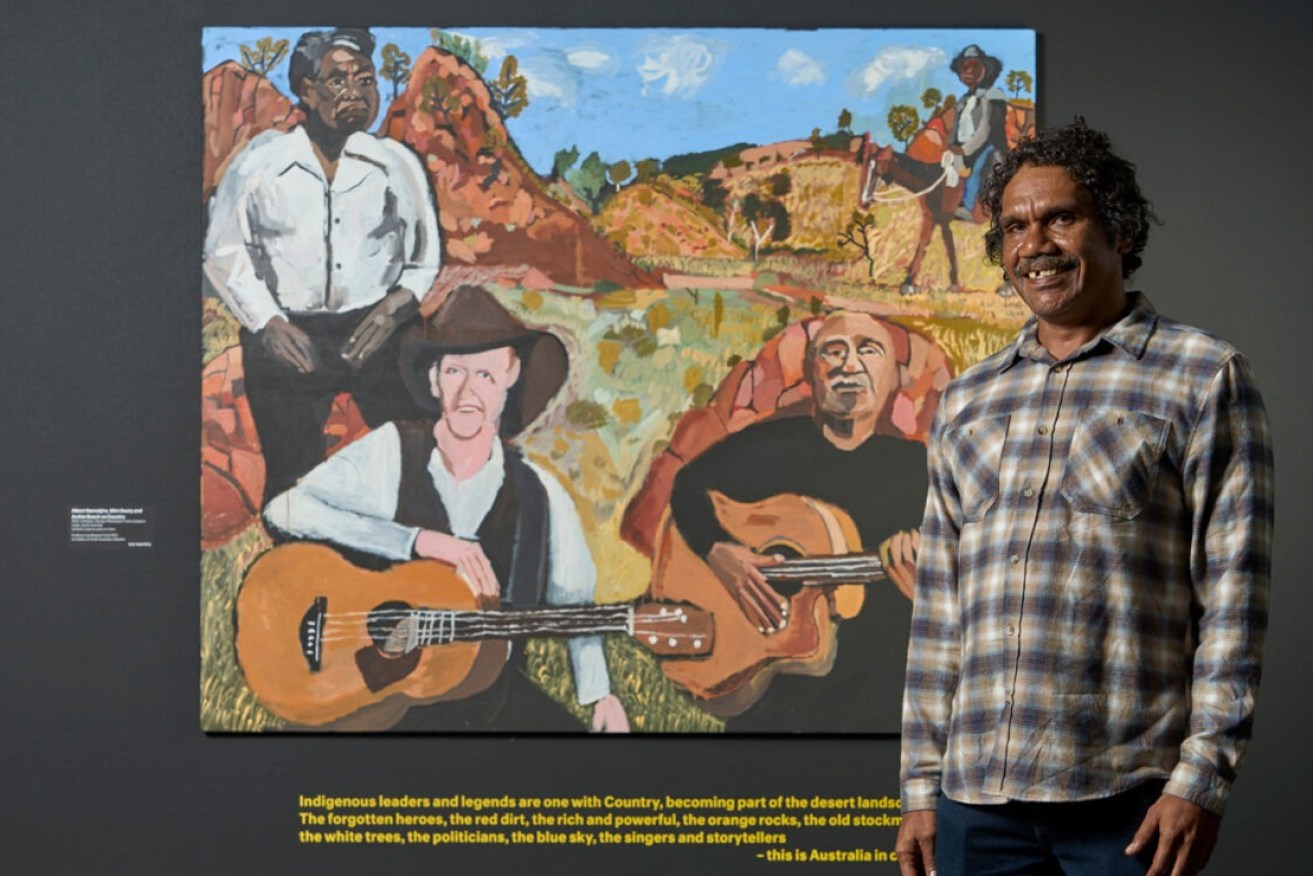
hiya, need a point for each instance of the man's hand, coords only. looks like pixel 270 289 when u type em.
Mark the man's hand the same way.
pixel 288 344
pixel 898 554
pixel 378 325
pixel 466 556
pixel 739 569
pixel 609 716
pixel 1186 834
pixel 915 844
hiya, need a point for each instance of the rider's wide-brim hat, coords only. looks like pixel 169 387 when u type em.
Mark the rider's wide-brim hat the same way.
pixel 993 65
pixel 472 320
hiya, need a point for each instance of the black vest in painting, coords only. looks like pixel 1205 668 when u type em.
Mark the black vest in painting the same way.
pixel 514 534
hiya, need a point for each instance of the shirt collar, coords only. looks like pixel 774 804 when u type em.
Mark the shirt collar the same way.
pixel 360 156
pixel 1130 334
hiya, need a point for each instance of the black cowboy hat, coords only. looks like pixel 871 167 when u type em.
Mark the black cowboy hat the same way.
pixel 472 320
pixel 993 66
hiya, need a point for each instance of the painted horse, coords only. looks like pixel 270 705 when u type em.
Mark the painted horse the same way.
pixel 937 188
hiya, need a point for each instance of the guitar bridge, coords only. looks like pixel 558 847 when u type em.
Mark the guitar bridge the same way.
pixel 311 632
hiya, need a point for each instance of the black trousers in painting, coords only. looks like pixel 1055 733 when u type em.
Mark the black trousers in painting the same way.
pixel 290 408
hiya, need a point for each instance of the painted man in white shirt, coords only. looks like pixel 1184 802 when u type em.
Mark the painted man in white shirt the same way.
pixel 322 241
pixel 456 490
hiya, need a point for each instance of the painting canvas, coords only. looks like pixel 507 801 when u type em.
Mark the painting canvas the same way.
pixel 564 379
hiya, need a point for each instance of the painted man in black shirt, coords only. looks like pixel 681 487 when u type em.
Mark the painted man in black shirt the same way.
pixel 845 455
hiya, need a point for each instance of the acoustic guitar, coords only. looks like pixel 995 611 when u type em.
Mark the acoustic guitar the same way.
pixel 823 582
pixel 322 641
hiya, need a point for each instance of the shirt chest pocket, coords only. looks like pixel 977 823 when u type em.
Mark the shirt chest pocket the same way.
pixel 977 452
pixel 1113 461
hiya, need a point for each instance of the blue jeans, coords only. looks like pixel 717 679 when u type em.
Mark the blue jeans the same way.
pixel 979 170
pixel 1088 838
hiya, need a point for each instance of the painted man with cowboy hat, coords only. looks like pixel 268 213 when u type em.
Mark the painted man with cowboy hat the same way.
pixel 980 132
pixel 455 489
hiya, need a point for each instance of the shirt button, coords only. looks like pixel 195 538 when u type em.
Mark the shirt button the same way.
pixel 1012 631
pixel 1043 430
pixel 1028 492
pixel 338 266
pixel 1014 559
pixel 337 221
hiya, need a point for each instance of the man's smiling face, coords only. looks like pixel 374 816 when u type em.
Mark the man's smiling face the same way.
pixel 1056 252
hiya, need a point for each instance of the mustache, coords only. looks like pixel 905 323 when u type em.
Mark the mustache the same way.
pixel 1047 263
pixel 839 380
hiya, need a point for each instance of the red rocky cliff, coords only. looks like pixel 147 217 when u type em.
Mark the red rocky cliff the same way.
pixel 492 206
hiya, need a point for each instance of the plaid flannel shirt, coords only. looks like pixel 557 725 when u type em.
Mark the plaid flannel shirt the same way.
pixel 1091 593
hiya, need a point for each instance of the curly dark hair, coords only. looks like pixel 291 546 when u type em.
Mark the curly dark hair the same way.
pixel 1087 156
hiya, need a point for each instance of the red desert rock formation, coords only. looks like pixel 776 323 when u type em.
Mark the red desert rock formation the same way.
pixel 492 207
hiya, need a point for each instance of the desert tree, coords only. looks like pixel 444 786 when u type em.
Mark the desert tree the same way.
pixel 563 160
pixel 903 123
pixel 396 67
pixel 646 170
pixel 466 49
pixel 619 172
pixel 510 90
pixel 589 180
pixel 1019 81
pixel 765 219
pixel 267 54
pixel 860 233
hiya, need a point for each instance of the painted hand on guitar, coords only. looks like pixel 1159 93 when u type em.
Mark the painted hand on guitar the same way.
pixel 739 569
pixel 609 716
pixel 898 553
pixel 467 556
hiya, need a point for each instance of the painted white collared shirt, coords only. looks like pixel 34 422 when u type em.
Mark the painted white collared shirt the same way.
pixel 283 239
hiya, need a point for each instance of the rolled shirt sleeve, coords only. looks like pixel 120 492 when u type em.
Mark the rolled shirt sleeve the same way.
pixel 350 499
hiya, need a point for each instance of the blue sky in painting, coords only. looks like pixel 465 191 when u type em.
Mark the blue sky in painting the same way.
pixel 637 94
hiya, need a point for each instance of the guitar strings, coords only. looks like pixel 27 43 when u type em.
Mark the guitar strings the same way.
pixel 450 625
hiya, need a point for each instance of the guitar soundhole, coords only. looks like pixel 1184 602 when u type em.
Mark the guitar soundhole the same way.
pixel 787 589
pixel 390 625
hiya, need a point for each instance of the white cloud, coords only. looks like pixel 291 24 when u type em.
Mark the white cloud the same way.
pixel 495 48
pixel 685 63
pixel 895 62
pixel 799 68
pixel 589 59
pixel 550 76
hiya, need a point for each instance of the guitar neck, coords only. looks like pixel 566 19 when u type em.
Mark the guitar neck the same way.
pixel 818 571
pixel 441 627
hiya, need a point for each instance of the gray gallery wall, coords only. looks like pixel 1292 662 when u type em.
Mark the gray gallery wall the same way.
pixel 99 166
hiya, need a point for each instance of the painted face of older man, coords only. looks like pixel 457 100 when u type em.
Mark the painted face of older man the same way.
pixel 343 96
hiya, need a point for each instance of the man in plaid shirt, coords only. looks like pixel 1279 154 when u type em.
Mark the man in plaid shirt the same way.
pixel 1092 585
